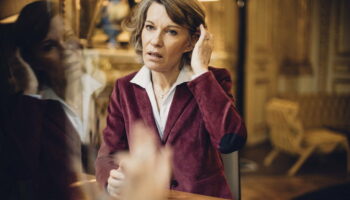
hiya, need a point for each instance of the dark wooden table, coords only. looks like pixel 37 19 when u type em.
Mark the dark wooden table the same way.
pixel 88 189
pixel 177 195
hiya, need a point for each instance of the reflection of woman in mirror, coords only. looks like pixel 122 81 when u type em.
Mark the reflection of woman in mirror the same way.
pixel 52 57
pixel 188 104
pixel 39 147
pixel 39 35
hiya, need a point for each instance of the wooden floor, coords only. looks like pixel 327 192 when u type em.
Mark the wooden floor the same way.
pixel 272 183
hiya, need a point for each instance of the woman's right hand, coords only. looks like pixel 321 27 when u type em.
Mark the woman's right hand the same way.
pixel 24 75
pixel 115 182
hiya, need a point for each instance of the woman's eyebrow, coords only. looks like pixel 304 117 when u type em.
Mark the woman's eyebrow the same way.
pixel 174 26
pixel 168 26
pixel 149 21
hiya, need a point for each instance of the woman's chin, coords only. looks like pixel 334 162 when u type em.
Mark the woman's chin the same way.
pixel 154 67
pixel 76 76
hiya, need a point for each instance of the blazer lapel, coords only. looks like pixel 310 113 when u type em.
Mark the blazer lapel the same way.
pixel 181 99
pixel 145 108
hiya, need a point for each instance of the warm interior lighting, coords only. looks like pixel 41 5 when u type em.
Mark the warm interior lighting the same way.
pixel 208 0
pixel 137 1
pixel 10 19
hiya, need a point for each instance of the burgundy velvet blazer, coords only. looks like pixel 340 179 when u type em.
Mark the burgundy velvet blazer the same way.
pixel 202 123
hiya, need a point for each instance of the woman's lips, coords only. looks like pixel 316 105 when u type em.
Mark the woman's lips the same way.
pixel 155 55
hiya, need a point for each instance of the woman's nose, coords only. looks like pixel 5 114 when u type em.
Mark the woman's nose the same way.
pixel 157 39
pixel 63 49
pixel 61 45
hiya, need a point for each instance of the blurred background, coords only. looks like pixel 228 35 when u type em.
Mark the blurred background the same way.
pixel 290 62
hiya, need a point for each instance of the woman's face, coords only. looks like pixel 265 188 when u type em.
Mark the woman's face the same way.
pixel 48 55
pixel 163 41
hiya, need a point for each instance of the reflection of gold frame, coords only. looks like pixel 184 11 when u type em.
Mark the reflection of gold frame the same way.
pixel 71 13
pixel 93 21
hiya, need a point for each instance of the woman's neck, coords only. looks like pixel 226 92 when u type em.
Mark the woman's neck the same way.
pixel 74 96
pixel 164 80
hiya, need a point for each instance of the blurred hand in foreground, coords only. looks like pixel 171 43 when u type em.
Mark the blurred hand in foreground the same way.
pixel 144 172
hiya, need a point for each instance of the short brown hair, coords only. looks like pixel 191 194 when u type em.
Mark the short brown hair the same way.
pixel 186 13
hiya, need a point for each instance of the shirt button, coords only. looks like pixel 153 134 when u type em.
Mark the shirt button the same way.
pixel 174 183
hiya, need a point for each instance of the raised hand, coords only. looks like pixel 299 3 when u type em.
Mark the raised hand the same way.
pixel 202 51
pixel 25 79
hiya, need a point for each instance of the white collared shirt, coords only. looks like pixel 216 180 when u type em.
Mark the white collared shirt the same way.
pixel 90 85
pixel 144 80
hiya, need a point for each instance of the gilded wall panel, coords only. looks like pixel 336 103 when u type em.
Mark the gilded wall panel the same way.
pixel 260 67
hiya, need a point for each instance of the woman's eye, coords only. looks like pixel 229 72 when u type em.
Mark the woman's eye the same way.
pixel 48 47
pixel 172 32
pixel 149 27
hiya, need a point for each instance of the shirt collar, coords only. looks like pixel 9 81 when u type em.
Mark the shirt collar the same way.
pixel 143 76
pixel 48 93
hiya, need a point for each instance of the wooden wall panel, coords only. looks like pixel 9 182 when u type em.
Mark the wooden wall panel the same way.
pixel 338 76
pixel 222 21
pixel 343 28
pixel 260 68
pixel 312 35
pixel 341 86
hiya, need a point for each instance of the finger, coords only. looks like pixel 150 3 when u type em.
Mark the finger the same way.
pixel 115 183
pixel 210 39
pixel 117 174
pixel 113 192
pixel 203 33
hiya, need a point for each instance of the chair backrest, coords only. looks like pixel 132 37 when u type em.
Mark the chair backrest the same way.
pixel 232 173
pixel 323 109
pixel 286 131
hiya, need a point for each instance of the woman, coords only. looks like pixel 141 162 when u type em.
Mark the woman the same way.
pixel 39 35
pixel 188 104
pixel 37 143
pixel 53 56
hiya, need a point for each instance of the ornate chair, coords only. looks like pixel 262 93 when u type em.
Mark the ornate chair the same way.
pixel 287 135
